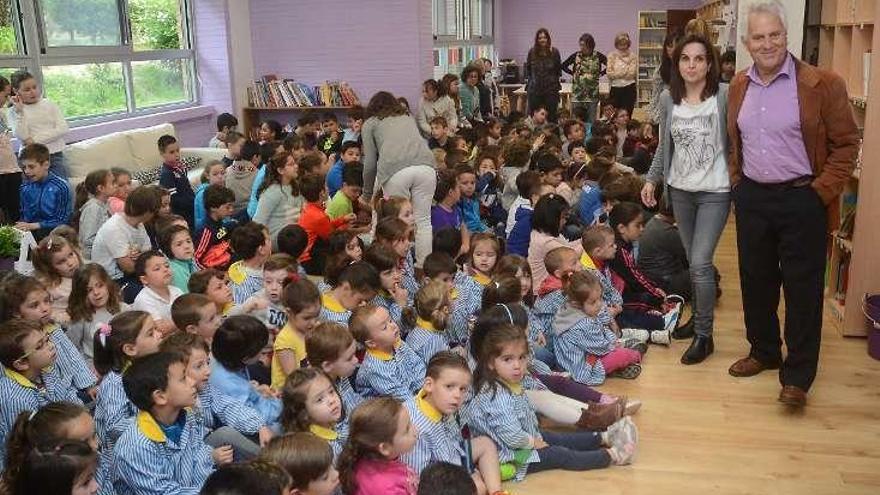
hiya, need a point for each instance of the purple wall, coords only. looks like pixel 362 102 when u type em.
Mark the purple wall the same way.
pixel 568 19
pixel 373 44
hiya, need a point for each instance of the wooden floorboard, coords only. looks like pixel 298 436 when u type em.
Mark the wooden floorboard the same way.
pixel 703 431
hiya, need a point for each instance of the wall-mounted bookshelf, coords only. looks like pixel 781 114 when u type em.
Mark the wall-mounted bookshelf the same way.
pixel 847 46
pixel 652 32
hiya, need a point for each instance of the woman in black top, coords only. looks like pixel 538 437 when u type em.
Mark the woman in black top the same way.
pixel 543 69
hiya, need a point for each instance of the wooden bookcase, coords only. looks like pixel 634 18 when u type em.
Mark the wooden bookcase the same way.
pixel 847 46
pixel 652 32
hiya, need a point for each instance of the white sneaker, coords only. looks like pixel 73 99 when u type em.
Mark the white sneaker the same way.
pixel 661 337
pixel 634 334
pixel 624 438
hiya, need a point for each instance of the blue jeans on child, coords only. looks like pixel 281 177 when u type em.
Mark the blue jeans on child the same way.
pixel 571 451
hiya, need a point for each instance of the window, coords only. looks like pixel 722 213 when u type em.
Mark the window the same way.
pixel 102 59
pixel 463 31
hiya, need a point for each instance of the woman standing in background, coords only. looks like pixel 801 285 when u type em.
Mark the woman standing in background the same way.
pixel 543 69
pixel 623 66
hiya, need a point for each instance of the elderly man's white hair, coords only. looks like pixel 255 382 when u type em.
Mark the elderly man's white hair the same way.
pixel 772 7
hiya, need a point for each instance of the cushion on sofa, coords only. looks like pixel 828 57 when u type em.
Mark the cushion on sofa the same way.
pixel 144 145
pixel 107 151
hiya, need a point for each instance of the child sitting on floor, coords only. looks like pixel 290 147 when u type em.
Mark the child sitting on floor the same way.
pixel 312 404
pixel 351 285
pixel 252 245
pixel 332 349
pixel 585 345
pixel 381 431
pixel 501 411
pixel 163 450
pixel 390 367
pixel 158 294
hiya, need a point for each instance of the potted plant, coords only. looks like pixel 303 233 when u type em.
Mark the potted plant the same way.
pixel 10 244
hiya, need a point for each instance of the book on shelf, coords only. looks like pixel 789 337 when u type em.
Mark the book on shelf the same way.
pixel 271 92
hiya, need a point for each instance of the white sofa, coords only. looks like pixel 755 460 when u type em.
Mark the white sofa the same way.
pixel 135 150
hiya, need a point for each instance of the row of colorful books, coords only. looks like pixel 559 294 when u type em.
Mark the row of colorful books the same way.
pixel 272 92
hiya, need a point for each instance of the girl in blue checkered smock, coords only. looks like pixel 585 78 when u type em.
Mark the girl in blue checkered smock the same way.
pixel 501 411
pixel 428 321
pixel 311 403
pixel 55 422
pixel 392 296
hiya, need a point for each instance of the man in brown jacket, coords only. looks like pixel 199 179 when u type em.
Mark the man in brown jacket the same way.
pixel 794 144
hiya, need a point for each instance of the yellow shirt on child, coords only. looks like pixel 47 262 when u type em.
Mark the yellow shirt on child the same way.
pixel 287 339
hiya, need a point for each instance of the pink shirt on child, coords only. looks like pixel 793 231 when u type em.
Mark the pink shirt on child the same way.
pixel 384 477
pixel 115 205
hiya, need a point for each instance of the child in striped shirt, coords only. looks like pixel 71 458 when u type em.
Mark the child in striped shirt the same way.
pixel 501 410
pixel 30 380
pixel 331 348
pixel 585 345
pixel 397 233
pixel 600 249
pixel 129 335
pixel 303 303
pixel 381 431
pixel 352 284
pixel 307 459
pixel 390 367
pixel 163 450
pixel 465 294
pixel 435 413
pixel 402 209
pixel 228 421
pixel 392 296
pixel 312 404
pixel 560 263
pixel 428 321
pixel 252 244
pixel 27 298
pixel 54 423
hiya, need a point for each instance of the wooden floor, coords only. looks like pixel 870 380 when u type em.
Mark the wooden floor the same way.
pixel 703 431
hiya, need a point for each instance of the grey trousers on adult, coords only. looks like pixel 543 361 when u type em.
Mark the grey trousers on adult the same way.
pixel 416 183
pixel 701 217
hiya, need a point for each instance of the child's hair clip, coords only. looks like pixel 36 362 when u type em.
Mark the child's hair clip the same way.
pixel 104 330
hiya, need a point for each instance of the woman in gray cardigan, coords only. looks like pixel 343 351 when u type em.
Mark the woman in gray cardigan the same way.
pixel 397 161
pixel 691 164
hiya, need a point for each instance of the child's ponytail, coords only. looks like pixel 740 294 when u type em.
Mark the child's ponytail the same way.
pixel 35 429
pixel 503 289
pixel 85 189
pixel 110 338
pixel 373 422
pixel 430 298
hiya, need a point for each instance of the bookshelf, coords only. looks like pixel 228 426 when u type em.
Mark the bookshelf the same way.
pixel 652 32
pixel 270 94
pixel 847 46
pixel 721 17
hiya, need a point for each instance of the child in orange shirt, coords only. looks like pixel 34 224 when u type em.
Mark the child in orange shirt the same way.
pixel 316 223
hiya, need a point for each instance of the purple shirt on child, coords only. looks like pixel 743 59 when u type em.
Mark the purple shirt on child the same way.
pixel 442 218
pixel 770 125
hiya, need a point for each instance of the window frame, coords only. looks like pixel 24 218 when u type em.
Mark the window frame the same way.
pixel 35 54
